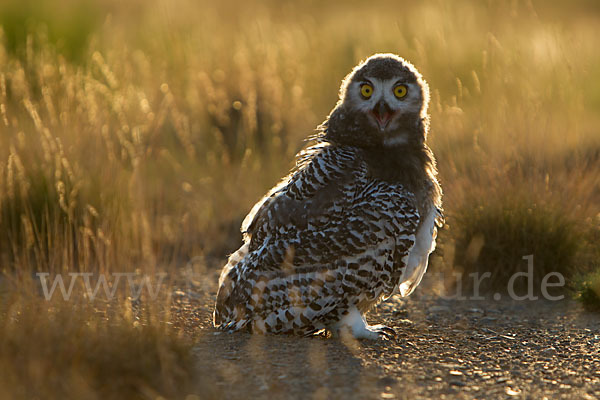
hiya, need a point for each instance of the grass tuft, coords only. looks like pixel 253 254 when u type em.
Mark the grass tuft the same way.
pixel 78 349
pixel 494 237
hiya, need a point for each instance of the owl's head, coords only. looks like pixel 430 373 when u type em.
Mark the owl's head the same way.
pixel 383 101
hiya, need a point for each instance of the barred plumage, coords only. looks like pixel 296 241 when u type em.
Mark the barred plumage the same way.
pixel 353 222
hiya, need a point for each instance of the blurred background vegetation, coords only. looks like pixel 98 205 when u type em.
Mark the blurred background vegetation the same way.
pixel 135 135
pixel 138 134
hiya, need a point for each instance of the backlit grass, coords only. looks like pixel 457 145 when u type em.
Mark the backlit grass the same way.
pixel 136 135
pixel 82 349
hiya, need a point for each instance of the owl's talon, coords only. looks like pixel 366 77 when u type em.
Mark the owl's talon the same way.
pixel 384 331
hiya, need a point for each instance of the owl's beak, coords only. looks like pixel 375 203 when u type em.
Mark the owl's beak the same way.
pixel 383 114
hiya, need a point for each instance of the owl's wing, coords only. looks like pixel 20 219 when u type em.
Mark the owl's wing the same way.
pixel 317 183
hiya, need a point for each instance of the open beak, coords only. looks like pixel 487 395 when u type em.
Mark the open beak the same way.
pixel 382 114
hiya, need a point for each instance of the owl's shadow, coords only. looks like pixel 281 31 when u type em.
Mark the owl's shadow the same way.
pixel 286 366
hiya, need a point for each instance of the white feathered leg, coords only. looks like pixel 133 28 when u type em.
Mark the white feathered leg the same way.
pixel 355 324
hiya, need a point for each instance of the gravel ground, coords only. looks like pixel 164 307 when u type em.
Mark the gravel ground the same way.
pixel 445 349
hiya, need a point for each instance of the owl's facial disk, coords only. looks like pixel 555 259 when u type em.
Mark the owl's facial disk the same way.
pixel 385 102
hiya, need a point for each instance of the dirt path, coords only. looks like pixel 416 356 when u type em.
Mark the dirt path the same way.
pixel 454 349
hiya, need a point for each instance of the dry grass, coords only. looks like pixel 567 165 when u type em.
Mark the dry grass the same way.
pixel 82 349
pixel 138 140
pixel 496 235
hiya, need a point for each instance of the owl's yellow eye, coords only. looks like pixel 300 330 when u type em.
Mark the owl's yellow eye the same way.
pixel 400 91
pixel 366 90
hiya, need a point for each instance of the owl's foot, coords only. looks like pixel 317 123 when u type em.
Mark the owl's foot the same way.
pixel 383 332
pixel 354 324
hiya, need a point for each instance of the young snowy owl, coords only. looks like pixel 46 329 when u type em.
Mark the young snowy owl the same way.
pixel 353 223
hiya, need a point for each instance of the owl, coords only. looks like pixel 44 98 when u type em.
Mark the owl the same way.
pixel 351 225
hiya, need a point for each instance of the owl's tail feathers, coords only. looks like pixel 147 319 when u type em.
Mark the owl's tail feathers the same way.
pixel 222 313
pixel 228 316
pixel 230 312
